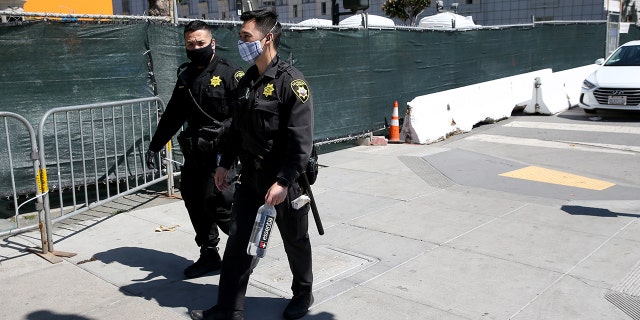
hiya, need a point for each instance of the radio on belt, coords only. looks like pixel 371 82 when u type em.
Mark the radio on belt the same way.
pixel 300 201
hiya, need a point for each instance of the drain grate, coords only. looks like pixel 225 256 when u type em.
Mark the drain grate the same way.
pixel 626 295
pixel 628 304
pixel 330 265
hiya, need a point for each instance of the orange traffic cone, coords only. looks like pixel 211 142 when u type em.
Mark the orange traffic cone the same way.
pixel 394 130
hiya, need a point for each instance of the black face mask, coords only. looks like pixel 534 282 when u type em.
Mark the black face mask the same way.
pixel 202 56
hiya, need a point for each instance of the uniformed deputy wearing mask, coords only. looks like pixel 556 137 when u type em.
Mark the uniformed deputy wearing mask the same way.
pixel 203 98
pixel 272 134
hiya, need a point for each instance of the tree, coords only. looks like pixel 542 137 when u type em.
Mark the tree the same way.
pixel 159 8
pixel 405 9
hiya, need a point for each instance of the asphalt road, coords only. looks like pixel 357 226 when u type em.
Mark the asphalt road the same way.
pixel 602 146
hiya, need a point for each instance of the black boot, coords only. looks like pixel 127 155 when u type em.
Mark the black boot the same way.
pixel 298 306
pixel 209 261
pixel 216 313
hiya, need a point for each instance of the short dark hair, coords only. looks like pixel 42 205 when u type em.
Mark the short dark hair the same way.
pixel 196 25
pixel 266 21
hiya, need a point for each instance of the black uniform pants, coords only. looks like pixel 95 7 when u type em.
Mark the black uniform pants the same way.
pixel 293 226
pixel 206 205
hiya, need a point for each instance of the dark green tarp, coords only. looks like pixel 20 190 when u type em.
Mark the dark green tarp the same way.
pixel 355 75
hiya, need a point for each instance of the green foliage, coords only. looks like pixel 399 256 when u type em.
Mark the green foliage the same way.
pixel 405 9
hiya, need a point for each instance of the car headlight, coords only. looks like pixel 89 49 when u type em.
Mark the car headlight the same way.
pixel 588 85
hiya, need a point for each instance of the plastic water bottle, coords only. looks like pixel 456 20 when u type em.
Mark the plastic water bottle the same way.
pixel 262 227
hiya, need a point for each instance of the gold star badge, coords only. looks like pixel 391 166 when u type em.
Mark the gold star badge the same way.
pixel 215 81
pixel 268 90
pixel 301 89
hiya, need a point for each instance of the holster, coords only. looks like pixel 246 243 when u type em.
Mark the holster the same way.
pixel 200 146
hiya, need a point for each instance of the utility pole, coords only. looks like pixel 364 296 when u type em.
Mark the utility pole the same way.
pixel 353 5
pixel 173 7
pixel 614 8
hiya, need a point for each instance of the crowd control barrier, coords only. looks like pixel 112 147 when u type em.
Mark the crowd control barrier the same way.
pixel 19 150
pixel 86 156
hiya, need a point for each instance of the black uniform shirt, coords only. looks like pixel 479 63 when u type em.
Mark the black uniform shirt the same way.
pixel 273 120
pixel 212 87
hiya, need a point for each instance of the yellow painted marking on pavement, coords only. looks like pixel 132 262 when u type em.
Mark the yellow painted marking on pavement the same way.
pixel 538 174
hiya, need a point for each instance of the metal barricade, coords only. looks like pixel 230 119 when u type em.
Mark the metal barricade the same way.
pixel 96 153
pixel 19 150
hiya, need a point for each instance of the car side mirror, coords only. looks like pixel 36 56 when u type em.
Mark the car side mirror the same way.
pixel 599 61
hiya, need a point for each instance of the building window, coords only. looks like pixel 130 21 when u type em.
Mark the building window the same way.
pixel 323 8
pixel 295 10
pixel 469 1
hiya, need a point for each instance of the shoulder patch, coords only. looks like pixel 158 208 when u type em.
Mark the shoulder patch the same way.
pixel 301 89
pixel 238 75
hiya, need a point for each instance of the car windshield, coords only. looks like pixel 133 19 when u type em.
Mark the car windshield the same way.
pixel 625 56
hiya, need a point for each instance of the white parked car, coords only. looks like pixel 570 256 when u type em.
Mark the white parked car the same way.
pixel 616 83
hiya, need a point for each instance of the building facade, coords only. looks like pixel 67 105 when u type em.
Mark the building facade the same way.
pixel 484 12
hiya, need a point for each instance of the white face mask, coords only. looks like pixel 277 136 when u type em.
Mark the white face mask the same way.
pixel 250 51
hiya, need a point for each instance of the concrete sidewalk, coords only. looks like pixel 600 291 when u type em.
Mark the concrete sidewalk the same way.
pixel 403 240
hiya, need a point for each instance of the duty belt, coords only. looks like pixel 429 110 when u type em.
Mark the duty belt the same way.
pixel 251 161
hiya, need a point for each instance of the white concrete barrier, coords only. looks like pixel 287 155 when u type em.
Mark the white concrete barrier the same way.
pixel 572 80
pixel 428 119
pixel 433 117
pixel 548 95
pixel 522 86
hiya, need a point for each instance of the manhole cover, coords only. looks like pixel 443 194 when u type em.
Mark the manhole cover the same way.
pixel 329 266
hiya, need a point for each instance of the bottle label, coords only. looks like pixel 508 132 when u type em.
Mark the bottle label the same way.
pixel 266 232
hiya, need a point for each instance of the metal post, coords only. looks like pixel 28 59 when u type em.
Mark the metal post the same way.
pixel 169 169
pixel 174 12
pixel 48 252
pixel 613 26
pixel 365 17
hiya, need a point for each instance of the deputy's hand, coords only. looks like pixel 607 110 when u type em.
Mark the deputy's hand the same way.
pixel 150 157
pixel 220 178
pixel 275 195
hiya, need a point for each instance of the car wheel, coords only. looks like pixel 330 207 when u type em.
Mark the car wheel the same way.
pixel 590 111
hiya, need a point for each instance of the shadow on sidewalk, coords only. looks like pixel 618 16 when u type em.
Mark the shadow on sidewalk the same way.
pixel 596 212
pixel 165 284
pixel 48 315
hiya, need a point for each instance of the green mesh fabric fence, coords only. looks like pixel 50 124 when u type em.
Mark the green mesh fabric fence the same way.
pixel 355 75
pixel 53 64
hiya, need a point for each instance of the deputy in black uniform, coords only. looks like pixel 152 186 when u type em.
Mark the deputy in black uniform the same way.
pixel 202 97
pixel 272 133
